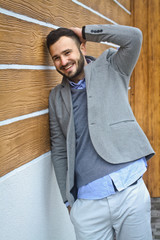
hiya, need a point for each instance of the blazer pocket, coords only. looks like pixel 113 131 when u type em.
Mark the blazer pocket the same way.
pixel 122 122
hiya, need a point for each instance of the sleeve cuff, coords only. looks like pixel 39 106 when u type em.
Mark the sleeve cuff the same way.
pixel 83 32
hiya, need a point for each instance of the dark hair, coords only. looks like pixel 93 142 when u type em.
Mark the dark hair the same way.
pixel 55 35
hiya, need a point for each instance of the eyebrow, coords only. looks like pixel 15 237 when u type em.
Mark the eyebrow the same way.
pixel 66 50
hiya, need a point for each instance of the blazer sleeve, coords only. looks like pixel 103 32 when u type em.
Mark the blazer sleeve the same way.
pixel 129 40
pixel 58 148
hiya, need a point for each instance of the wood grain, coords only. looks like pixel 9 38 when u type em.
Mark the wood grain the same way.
pixel 25 43
pixel 22 142
pixel 154 94
pixel 147 85
pixel 126 4
pixel 110 10
pixel 22 42
pixel 58 12
pixel 25 91
pixel 141 69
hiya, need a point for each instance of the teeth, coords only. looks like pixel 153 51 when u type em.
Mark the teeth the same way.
pixel 68 66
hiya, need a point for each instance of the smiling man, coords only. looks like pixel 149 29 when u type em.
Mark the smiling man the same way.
pixel 99 151
pixel 68 57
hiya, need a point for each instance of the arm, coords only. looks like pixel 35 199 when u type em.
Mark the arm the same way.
pixel 128 38
pixel 58 149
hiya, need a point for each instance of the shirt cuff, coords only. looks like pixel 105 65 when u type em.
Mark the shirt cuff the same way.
pixel 67 204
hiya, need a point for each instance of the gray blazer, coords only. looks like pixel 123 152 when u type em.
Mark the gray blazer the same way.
pixel 113 129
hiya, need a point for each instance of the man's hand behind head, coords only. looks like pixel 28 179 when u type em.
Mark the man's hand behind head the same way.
pixel 78 32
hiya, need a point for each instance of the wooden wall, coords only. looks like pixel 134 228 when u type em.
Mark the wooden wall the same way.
pixel 27 74
pixel 145 85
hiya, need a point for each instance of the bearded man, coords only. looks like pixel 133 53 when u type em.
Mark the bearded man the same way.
pixel 99 151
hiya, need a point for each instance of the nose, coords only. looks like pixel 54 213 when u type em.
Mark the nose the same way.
pixel 63 61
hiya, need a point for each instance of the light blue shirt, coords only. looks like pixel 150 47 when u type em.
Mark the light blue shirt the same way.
pixel 121 179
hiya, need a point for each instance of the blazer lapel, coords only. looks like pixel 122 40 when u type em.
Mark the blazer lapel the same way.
pixel 66 95
pixel 87 70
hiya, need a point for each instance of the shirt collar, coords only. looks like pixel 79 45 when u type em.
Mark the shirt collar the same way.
pixel 80 85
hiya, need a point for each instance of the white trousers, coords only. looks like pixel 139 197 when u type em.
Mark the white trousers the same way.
pixel 128 213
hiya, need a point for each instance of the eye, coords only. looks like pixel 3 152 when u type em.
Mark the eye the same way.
pixel 55 59
pixel 67 53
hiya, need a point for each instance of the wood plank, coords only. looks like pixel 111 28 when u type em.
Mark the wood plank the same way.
pixel 154 94
pixel 141 69
pixel 25 91
pixel 140 81
pixel 25 43
pixel 146 85
pixel 58 12
pixel 22 42
pixel 109 9
pixel 22 142
pixel 126 4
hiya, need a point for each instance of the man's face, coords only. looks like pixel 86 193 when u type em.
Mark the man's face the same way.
pixel 68 58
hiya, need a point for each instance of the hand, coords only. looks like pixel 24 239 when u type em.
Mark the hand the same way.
pixel 78 32
pixel 69 209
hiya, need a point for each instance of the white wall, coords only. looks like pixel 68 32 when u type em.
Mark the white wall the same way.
pixel 31 207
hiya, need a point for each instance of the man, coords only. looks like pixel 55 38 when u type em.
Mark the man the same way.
pixel 99 151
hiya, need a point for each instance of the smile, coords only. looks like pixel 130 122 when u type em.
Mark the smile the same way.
pixel 68 67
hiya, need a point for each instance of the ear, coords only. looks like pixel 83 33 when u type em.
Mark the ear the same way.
pixel 83 48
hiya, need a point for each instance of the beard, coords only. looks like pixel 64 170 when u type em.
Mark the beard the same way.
pixel 79 70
